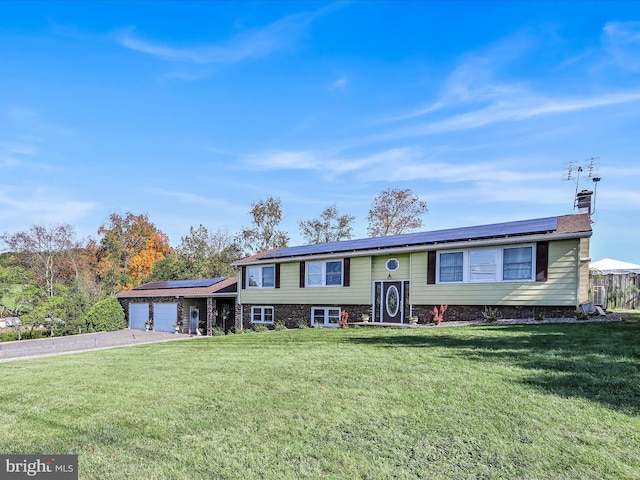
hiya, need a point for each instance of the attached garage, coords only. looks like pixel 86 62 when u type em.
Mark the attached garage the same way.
pixel 169 302
pixel 165 316
pixel 138 315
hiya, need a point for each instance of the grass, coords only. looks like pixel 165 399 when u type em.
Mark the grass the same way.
pixel 537 402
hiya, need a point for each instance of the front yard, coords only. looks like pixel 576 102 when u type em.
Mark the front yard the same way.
pixel 543 401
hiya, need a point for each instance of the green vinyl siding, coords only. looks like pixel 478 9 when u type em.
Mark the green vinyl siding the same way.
pixel 560 288
pixel 358 293
pixel 380 271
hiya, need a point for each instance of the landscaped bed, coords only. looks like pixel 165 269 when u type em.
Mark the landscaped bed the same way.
pixel 517 401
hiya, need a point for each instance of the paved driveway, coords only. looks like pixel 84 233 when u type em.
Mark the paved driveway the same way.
pixel 79 343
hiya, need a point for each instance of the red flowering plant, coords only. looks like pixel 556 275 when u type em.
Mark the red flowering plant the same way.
pixel 344 318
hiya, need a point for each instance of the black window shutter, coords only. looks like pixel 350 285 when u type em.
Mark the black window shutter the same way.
pixel 542 261
pixel 346 278
pixel 431 267
pixel 244 277
pixel 302 273
pixel 277 275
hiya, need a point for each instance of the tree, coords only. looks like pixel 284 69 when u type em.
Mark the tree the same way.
pixel 124 239
pixel 18 292
pixel 330 227
pixel 209 253
pixel 141 264
pixel 395 211
pixel 201 254
pixel 267 215
pixel 45 251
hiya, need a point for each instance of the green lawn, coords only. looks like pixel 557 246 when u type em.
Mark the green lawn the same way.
pixel 552 401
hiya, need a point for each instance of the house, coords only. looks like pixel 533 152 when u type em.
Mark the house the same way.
pixel 197 306
pixel 528 268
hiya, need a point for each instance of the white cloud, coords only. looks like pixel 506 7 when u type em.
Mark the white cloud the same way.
pixel 19 149
pixel 193 198
pixel 512 109
pixel 40 207
pixel 622 41
pixel 283 160
pixel 252 43
pixel 339 84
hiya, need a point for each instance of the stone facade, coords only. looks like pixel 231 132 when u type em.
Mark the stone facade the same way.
pixel 293 315
pixel 464 313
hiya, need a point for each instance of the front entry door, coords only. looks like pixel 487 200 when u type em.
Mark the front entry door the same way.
pixel 194 319
pixel 390 301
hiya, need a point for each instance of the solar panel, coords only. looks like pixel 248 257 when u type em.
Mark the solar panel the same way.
pixel 206 282
pixel 522 227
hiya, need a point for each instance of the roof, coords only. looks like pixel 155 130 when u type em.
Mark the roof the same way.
pixel 567 225
pixel 609 265
pixel 184 288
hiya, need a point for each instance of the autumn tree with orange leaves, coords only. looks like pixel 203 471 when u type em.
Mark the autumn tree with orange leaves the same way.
pixel 130 247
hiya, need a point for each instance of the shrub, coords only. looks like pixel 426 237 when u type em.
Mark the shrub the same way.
pixel 260 328
pixel 8 336
pixel 302 323
pixel 12 335
pixel 217 331
pixel 491 314
pixel 105 316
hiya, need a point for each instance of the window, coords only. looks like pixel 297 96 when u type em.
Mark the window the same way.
pixel 499 264
pixel 324 274
pixel 451 267
pixel 482 265
pixel 261 314
pixel 392 264
pixel 517 263
pixel 261 277
pixel 325 316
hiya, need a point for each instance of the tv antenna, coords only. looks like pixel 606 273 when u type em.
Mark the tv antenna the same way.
pixel 583 171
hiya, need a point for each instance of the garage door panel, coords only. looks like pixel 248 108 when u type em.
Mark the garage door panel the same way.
pixel 138 315
pixel 165 316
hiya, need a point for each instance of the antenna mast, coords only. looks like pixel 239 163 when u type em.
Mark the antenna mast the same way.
pixel 588 169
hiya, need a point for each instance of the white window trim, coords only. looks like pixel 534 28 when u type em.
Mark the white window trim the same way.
pixel 324 273
pixel 498 278
pixel 326 316
pixel 386 264
pixel 259 280
pixel 262 309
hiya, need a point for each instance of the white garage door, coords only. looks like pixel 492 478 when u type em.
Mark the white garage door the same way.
pixel 165 316
pixel 138 315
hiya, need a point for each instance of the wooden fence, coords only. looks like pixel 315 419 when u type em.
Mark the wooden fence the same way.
pixel 622 291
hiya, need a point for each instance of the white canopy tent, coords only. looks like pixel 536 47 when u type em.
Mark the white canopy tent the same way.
pixel 609 266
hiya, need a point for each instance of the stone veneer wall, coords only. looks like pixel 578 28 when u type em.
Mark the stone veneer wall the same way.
pixel 291 315
pixel 475 312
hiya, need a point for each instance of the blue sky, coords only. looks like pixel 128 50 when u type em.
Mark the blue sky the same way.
pixel 190 111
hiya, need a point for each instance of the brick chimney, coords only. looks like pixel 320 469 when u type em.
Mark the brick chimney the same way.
pixel 583 201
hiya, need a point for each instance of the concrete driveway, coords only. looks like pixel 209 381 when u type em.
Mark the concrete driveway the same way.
pixel 80 343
